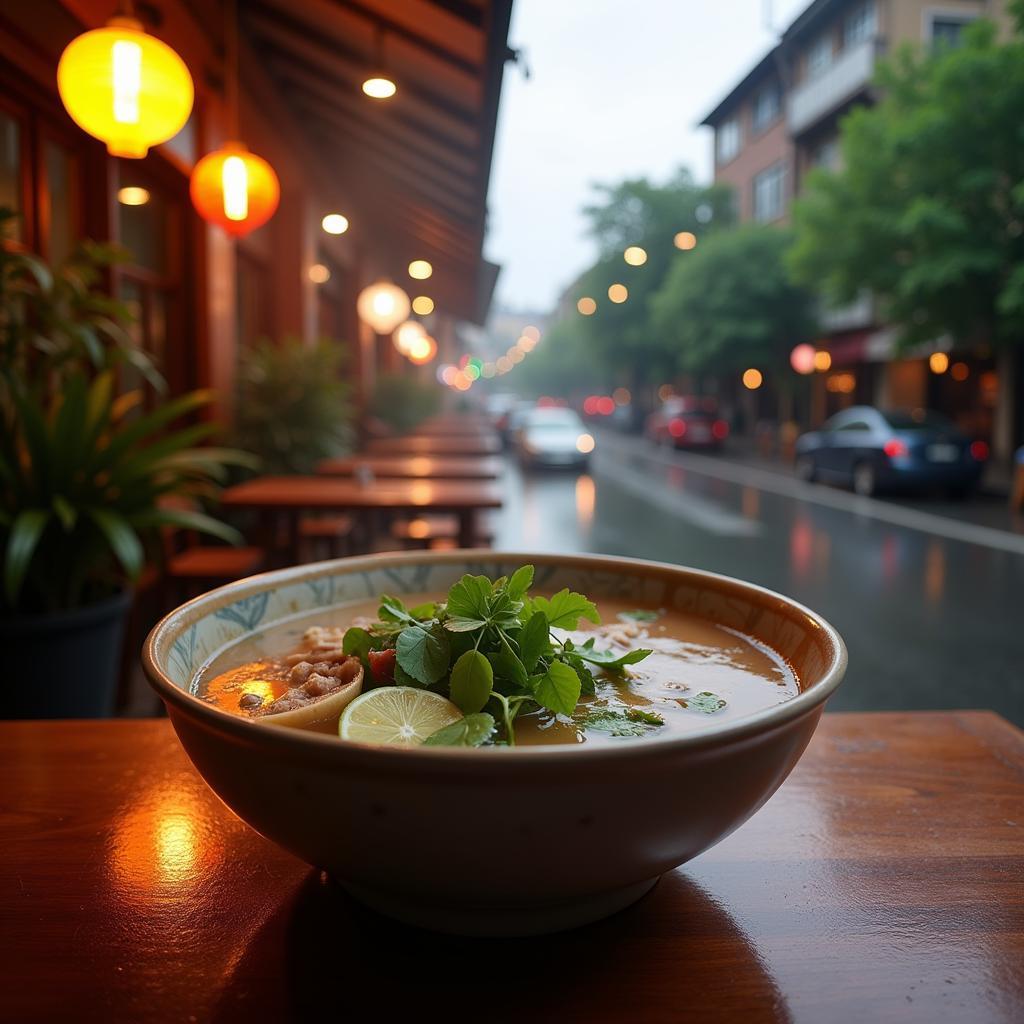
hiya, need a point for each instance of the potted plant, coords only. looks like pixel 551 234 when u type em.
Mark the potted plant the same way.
pixel 401 401
pixel 84 472
pixel 294 406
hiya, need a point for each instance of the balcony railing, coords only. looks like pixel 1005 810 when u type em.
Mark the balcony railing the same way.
pixel 848 75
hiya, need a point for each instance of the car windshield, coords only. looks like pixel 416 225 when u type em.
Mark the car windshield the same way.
pixel 918 419
pixel 553 419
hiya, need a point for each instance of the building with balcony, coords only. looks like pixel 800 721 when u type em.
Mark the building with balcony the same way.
pixel 782 120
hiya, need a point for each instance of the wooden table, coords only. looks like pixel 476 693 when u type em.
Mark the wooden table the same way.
pixel 444 467
pixel 883 882
pixel 454 424
pixel 478 443
pixel 295 494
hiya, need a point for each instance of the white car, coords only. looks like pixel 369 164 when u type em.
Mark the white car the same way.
pixel 553 436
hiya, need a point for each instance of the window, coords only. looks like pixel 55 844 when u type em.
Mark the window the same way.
pixel 727 140
pixel 819 56
pixel 947 29
pixel 860 25
pixel 826 154
pixel 770 193
pixel 767 107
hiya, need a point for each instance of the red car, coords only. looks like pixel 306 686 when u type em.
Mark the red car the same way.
pixel 687 422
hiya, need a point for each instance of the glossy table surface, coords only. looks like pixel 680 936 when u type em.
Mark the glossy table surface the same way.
pixel 444 467
pixel 310 492
pixel 883 882
pixel 468 443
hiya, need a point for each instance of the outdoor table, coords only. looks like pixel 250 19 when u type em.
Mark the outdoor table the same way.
pixel 473 443
pixel 442 467
pixel 882 882
pixel 295 494
pixel 455 424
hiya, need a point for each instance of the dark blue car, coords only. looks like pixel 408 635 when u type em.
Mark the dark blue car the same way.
pixel 872 450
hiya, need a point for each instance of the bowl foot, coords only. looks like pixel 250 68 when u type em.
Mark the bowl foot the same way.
pixel 504 922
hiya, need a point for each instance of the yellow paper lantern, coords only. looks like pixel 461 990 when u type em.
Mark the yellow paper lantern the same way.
pixel 234 188
pixel 383 306
pixel 125 87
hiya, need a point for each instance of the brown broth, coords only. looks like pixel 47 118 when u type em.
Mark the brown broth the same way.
pixel 691 657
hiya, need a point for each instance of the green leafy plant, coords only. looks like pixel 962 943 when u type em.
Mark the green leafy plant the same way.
pixel 491 649
pixel 294 404
pixel 403 402
pixel 86 477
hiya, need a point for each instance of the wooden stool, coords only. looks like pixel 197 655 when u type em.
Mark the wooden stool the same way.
pixel 332 534
pixel 437 532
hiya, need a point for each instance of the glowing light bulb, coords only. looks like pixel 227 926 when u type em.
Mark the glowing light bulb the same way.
pixel 235 183
pixel 126 58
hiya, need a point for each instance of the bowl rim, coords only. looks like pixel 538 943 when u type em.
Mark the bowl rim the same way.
pixel 763 721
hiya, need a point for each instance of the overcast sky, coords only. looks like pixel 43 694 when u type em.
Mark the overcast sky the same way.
pixel 617 88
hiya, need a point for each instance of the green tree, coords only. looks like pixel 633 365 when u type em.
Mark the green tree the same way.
pixel 928 209
pixel 731 304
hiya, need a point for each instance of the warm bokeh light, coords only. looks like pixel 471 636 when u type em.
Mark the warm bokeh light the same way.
pixel 822 360
pixel 379 87
pixel 406 333
pixel 234 189
pixel 529 331
pixel 841 383
pixel 960 371
pixel 622 396
pixel 503 364
pixel 586 494
pixel 133 195
pixel 422 350
pixel 618 293
pixel 752 379
pixel 319 274
pixel 420 270
pixel 938 362
pixel 685 240
pixel 423 305
pixel 335 224
pixel 448 374
pixel 635 256
pixel 585 444
pixel 383 306
pixel 665 392
pixel 802 359
pixel 487 371
pixel 527 344
pixel 587 306
pixel 516 355
pixel 125 87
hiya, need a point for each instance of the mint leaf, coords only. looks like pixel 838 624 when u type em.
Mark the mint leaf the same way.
pixel 630 722
pixel 402 678
pixel 460 624
pixel 706 702
pixel 392 610
pixel 423 653
pixel 609 660
pixel 471 731
pixel 470 598
pixel 424 612
pixel 587 683
pixel 534 642
pixel 558 689
pixel 521 581
pixel 471 682
pixel 566 608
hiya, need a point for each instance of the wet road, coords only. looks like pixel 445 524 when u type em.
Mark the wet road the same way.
pixel 931 607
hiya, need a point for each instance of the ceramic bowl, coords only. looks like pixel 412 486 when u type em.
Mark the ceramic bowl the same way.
pixel 507 841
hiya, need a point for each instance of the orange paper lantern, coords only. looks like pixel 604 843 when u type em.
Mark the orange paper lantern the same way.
pixel 234 188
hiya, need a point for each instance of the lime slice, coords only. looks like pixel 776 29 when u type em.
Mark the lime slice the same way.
pixel 400 715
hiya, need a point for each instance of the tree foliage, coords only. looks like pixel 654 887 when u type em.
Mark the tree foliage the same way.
pixel 928 209
pixel 732 304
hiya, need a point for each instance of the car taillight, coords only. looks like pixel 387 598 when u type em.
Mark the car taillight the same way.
pixel 677 427
pixel 979 450
pixel 720 430
pixel 894 448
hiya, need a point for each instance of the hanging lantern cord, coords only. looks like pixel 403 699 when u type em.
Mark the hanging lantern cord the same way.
pixel 231 46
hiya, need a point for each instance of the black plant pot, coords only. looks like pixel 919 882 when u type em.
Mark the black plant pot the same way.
pixel 63 664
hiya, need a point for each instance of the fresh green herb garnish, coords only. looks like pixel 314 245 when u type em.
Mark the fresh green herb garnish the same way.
pixel 627 722
pixel 490 649
pixel 640 615
pixel 705 701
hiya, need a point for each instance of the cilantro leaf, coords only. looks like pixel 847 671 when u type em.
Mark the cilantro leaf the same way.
pixel 357 642
pixel 706 702
pixel 587 683
pixel 566 608
pixel 609 660
pixel 392 610
pixel 640 615
pixel 471 683
pixel 521 581
pixel 423 653
pixel 631 722
pixel 507 666
pixel 471 731
pixel 469 598
pixel 534 641
pixel 558 689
